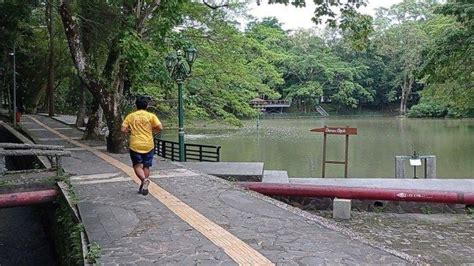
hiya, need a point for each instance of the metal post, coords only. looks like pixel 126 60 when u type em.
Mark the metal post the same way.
pixel 14 85
pixel 181 121
pixel 324 153
pixel 425 166
pixel 346 162
pixel 258 119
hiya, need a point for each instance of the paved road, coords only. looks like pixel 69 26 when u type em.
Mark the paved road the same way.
pixel 188 221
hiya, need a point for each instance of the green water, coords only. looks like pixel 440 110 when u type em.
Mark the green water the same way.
pixel 287 144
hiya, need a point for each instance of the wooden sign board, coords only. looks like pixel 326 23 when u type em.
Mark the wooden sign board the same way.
pixel 336 130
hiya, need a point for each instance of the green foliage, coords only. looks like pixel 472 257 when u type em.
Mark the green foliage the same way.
pixel 449 60
pixel 470 210
pixel 67 235
pixel 419 47
pixel 428 109
pixel 94 253
pixel 426 210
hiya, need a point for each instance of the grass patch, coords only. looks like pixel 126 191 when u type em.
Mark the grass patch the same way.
pixel 67 234
pixel 94 252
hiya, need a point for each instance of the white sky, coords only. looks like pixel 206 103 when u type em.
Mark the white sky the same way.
pixel 293 18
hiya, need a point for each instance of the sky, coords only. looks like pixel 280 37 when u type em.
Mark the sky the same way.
pixel 294 18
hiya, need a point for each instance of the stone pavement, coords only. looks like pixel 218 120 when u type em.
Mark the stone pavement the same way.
pixel 188 221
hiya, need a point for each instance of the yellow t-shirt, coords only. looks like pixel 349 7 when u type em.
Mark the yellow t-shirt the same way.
pixel 141 124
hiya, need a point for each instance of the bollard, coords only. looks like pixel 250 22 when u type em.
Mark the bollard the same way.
pixel 3 166
pixel 430 166
pixel 341 209
pixel 429 162
pixel 400 167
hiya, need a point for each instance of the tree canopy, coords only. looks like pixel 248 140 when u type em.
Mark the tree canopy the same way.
pixel 415 52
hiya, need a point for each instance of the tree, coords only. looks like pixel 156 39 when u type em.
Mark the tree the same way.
pixel 449 60
pixel 50 86
pixel 104 76
pixel 403 39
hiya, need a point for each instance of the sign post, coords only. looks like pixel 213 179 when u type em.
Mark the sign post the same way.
pixel 336 131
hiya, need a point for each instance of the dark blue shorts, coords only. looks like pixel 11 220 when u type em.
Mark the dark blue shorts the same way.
pixel 142 158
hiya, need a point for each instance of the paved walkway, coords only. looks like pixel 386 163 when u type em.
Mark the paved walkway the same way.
pixel 193 218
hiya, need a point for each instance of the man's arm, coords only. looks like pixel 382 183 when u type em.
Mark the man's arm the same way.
pixel 158 128
pixel 125 125
pixel 156 124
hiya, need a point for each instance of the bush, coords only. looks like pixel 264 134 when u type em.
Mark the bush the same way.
pixel 428 109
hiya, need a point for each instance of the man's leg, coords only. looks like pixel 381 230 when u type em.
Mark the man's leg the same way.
pixel 139 171
pixel 146 171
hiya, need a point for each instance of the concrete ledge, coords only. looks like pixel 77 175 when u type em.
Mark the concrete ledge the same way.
pixel 457 185
pixel 270 176
pixel 235 171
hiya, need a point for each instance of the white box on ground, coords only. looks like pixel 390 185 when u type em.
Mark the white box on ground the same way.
pixel 341 209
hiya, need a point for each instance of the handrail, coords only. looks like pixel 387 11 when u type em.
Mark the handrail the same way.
pixel 30 146
pixel 193 152
pixel 16 149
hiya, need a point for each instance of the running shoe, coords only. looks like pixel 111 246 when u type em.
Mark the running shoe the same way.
pixel 145 184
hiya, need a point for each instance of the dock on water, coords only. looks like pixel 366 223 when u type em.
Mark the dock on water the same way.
pixel 191 217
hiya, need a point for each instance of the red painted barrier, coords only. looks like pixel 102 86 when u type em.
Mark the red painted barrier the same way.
pixel 300 190
pixel 27 198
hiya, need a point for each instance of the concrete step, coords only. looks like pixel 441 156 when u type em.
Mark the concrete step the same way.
pixel 235 171
pixel 271 176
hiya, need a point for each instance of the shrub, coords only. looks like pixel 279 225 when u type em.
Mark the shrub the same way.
pixel 428 109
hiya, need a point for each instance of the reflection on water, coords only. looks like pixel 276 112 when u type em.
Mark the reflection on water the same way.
pixel 287 144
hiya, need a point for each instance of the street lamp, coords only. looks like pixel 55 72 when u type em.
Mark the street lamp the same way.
pixel 14 84
pixel 179 66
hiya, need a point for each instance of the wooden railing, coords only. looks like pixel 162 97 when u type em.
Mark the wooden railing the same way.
pixel 193 152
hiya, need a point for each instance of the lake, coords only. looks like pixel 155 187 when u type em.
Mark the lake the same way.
pixel 287 144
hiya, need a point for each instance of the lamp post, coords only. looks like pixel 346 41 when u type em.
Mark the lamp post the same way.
pixel 14 84
pixel 179 66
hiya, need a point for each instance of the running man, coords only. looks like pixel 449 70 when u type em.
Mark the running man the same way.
pixel 141 125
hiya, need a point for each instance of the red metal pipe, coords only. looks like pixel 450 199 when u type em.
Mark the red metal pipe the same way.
pixel 28 198
pixel 391 194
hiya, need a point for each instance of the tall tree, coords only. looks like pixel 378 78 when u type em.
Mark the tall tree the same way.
pixel 449 62
pixel 402 37
pixel 104 77
pixel 50 85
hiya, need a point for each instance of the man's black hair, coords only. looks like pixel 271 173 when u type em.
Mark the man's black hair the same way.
pixel 142 103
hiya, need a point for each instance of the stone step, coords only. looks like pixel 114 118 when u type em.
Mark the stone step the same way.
pixel 235 171
pixel 271 176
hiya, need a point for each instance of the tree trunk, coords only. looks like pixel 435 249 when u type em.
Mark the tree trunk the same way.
pixel 116 140
pixel 99 84
pixel 93 125
pixel 406 91
pixel 81 114
pixel 38 97
pixel 50 86
pixel 2 86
